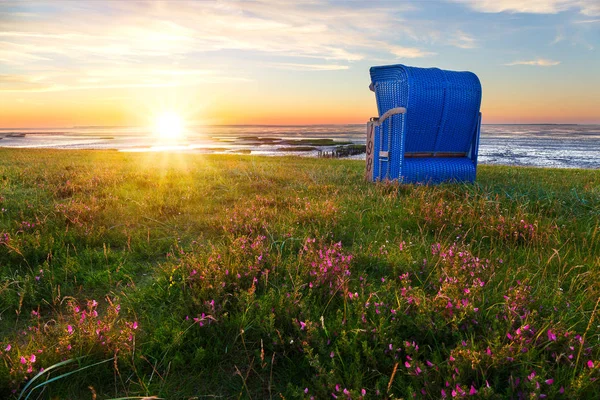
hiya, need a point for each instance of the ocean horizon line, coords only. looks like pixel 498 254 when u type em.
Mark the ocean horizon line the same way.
pixel 272 125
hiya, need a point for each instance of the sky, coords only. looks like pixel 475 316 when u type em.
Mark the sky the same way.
pixel 76 63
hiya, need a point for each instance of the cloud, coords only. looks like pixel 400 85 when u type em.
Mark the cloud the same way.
pixel 558 38
pixel 21 83
pixel 140 31
pixel 309 67
pixel 463 40
pixel 586 7
pixel 541 62
pixel 408 52
pixel 111 78
pixel 587 21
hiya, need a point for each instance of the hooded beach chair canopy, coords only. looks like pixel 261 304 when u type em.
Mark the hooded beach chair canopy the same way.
pixel 428 125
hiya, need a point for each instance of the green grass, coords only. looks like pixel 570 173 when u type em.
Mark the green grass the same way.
pixel 190 276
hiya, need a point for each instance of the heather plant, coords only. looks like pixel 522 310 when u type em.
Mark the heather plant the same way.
pixel 241 266
pixel 225 276
pixel 327 266
pixel 73 331
pixel 249 217
pixel 485 216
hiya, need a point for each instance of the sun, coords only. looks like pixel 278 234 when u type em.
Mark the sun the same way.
pixel 169 127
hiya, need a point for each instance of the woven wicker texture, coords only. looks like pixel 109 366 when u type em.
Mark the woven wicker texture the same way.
pixel 442 116
pixel 437 170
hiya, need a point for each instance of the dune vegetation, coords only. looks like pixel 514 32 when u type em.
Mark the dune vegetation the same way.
pixel 191 276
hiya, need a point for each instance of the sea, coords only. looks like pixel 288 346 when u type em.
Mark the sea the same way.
pixel 551 146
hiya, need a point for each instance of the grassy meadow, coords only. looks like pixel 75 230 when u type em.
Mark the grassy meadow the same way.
pixel 190 276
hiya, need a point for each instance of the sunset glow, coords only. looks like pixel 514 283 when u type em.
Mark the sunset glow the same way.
pixel 169 127
pixel 68 63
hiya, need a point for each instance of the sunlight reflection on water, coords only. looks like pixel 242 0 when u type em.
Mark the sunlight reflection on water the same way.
pixel 565 146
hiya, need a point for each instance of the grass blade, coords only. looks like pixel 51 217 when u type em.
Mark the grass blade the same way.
pixel 65 375
pixel 50 368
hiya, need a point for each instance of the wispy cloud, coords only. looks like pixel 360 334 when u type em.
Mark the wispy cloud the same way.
pixel 309 67
pixel 587 21
pixel 408 52
pixel 557 39
pixel 541 62
pixel 111 78
pixel 21 83
pixel 74 36
pixel 138 29
pixel 586 7
pixel 463 40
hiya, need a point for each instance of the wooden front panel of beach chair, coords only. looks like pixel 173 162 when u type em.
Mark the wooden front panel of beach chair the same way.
pixel 370 151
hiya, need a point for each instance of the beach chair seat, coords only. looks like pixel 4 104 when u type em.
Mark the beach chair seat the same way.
pixel 428 126
pixel 437 170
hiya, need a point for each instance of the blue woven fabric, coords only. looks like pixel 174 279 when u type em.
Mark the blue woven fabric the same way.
pixel 437 170
pixel 442 116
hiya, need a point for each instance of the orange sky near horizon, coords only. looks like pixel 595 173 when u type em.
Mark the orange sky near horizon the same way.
pixel 49 111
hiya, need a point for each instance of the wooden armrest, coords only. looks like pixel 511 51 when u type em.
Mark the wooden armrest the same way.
pixel 392 111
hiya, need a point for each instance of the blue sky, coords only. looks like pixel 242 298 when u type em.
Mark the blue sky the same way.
pixel 74 62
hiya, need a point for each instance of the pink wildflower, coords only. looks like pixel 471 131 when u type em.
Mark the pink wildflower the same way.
pixel 8 347
pixel 590 364
pixel 549 381
pixel 23 360
pixel 551 336
pixel 32 358
pixel 473 391
pixel 70 329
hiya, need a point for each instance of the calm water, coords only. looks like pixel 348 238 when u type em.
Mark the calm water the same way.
pixel 562 146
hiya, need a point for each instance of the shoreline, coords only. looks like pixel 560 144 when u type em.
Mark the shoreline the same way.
pixel 553 146
pixel 293 155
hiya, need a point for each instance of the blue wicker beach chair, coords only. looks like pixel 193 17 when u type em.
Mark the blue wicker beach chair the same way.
pixel 428 125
